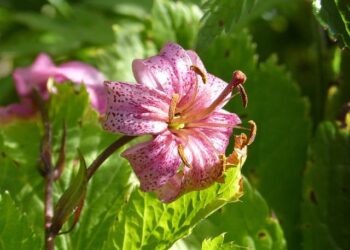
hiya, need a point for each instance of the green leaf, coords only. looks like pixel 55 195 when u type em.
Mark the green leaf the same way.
pixel 19 158
pixel 326 202
pixel 144 222
pixel 15 232
pixel 218 243
pixel 249 223
pixel 116 60
pixel 72 198
pixel 278 155
pixel 139 9
pixel 228 16
pixel 176 22
pixel 339 95
pixel 334 15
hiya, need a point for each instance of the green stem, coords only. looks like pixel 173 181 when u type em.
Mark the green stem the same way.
pixel 106 153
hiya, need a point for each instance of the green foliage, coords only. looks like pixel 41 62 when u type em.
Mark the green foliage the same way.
pixel 19 147
pixel 280 113
pixel 229 16
pixel 15 231
pixel 249 223
pixel 175 21
pixel 326 196
pixel 339 95
pixel 72 199
pixel 146 223
pixel 334 15
pixel 218 243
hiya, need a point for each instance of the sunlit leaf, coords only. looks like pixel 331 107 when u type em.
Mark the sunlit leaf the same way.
pixel 175 22
pixel 15 231
pixel 144 222
pixel 249 223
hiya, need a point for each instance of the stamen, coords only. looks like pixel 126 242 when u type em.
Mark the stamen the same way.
pixel 198 71
pixel 204 124
pixel 238 78
pixel 172 108
pixel 181 152
pixel 243 94
pixel 252 133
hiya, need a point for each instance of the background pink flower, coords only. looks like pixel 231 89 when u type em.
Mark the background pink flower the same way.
pixel 36 76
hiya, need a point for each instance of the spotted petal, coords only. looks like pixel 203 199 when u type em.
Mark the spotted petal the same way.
pixel 218 128
pixel 169 71
pixel 135 109
pixel 155 161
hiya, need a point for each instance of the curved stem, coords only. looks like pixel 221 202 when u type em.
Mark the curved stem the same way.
pixel 106 153
pixel 47 170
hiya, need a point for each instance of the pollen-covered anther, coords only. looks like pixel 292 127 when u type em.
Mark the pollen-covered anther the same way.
pixel 181 152
pixel 200 72
pixel 238 78
pixel 172 107
pixel 252 133
pixel 243 95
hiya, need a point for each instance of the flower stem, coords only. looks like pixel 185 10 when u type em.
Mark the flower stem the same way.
pixel 47 170
pixel 106 153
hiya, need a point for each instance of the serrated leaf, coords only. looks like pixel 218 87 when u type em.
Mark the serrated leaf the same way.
pixel 146 223
pixel 218 243
pixel 116 60
pixel 228 16
pixel 249 223
pixel 326 190
pixel 176 22
pixel 15 232
pixel 334 15
pixel 278 155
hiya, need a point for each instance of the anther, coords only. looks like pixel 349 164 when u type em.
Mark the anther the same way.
pixel 200 72
pixel 252 133
pixel 243 94
pixel 181 152
pixel 172 107
pixel 238 78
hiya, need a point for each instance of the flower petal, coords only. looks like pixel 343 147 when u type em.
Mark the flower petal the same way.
pixel 208 93
pixel 135 109
pixel 169 71
pixel 155 161
pixel 155 72
pixel 78 73
pixel 23 109
pixel 34 76
pixel 171 190
pixel 219 135
pixel 206 166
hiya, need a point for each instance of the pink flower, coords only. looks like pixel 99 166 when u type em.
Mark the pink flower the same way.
pixel 36 77
pixel 180 104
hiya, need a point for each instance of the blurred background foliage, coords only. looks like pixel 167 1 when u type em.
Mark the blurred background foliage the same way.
pixel 296 56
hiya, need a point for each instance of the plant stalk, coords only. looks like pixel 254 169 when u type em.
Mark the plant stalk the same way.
pixel 106 153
